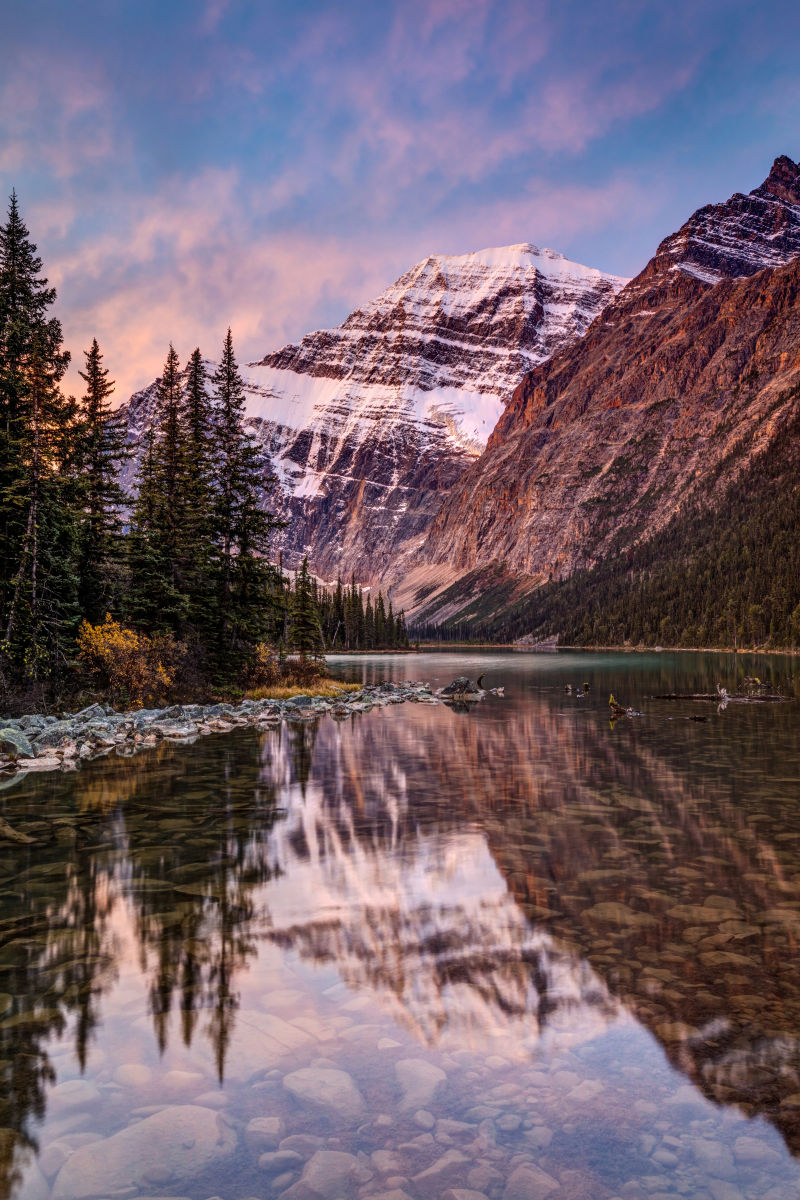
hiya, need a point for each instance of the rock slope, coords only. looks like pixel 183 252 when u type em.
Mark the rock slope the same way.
pixel 367 426
pixel 684 377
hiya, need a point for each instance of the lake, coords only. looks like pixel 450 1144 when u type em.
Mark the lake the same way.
pixel 519 950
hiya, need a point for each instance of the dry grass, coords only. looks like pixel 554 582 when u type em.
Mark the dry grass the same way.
pixel 328 688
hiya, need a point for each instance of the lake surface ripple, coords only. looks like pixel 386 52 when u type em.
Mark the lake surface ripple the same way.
pixel 517 949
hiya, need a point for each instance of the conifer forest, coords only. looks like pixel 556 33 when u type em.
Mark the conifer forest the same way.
pixel 172 589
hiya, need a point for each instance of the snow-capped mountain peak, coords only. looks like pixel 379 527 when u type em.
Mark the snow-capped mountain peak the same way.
pixel 368 425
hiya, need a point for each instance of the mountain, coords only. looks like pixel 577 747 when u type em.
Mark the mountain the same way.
pixel 685 378
pixel 368 426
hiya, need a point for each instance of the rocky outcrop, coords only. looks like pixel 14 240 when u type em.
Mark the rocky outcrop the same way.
pixel 677 385
pixel 368 426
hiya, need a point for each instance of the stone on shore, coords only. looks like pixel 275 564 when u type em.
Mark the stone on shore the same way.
pixel 40 743
pixel 14 742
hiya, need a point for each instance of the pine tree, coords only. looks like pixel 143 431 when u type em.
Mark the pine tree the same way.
pixel 101 454
pixel 198 429
pixel 156 600
pixel 247 596
pixel 38 608
pixel 369 625
pixel 380 621
pixel 305 636
pixel 171 472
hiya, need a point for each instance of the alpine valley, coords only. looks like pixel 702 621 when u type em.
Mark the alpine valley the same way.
pixel 500 426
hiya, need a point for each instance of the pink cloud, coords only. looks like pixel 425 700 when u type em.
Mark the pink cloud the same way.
pixel 184 265
pixel 69 107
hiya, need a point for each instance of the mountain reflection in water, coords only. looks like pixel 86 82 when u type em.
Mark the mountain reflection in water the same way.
pixel 511 881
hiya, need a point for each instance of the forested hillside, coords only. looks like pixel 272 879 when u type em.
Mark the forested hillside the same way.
pixel 722 573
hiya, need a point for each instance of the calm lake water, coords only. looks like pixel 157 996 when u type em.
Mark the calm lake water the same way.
pixel 517 949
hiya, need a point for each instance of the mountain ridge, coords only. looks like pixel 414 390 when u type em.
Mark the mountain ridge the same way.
pixel 605 440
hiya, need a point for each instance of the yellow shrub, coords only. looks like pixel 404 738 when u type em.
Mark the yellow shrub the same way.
pixel 132 666
pixel 266 667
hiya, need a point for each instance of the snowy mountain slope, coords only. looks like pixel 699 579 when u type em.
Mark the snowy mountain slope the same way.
pixel 369 425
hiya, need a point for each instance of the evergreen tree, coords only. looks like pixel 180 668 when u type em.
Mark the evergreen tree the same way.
pixel 171 476
pixel 380 621
pixel 101 454
pixel 369 626
pixel 151 602
pixel 247 592
pixel 198 430
pixel 391 627
pixel 38 608
pixel 305 635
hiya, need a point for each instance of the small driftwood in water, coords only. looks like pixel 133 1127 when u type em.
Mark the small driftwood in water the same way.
pixel 9 834
pixel 735 698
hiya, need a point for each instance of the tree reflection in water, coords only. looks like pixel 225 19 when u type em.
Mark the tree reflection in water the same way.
pixel 652 868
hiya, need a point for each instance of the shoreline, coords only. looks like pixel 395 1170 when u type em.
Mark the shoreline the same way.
pixel 33 743
pixel 423 646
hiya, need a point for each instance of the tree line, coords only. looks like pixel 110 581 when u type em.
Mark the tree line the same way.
pixel 185 563
pixel 351 623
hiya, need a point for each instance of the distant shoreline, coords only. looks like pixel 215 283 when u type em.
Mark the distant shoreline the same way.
pixel 423 646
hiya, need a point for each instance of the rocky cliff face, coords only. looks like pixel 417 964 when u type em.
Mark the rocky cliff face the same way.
pixel 675 387
pixel 368 426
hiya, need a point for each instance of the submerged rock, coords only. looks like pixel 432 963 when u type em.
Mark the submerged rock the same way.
pixel 264 1133
pixel 330 1091
pixel 172 1146
pixel 334 1173
pixel 528 1182
pixel 419 1081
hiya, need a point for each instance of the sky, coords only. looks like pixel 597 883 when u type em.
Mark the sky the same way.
pixel 186 166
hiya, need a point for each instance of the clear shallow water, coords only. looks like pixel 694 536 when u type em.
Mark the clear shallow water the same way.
pixel 513 949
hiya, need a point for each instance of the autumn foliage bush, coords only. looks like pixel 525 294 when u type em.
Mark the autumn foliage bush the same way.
pixel 266 669
pixel 132 667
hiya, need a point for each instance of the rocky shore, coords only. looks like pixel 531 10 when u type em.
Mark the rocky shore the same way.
pixel 48 743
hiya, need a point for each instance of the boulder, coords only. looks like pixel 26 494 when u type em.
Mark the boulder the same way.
pixel 90 713
pixel 15 743
pixel 462 688
pixel 44 763
pixel 174 728
pixel 463 1194
pixel 54 735
pixel 173 1146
